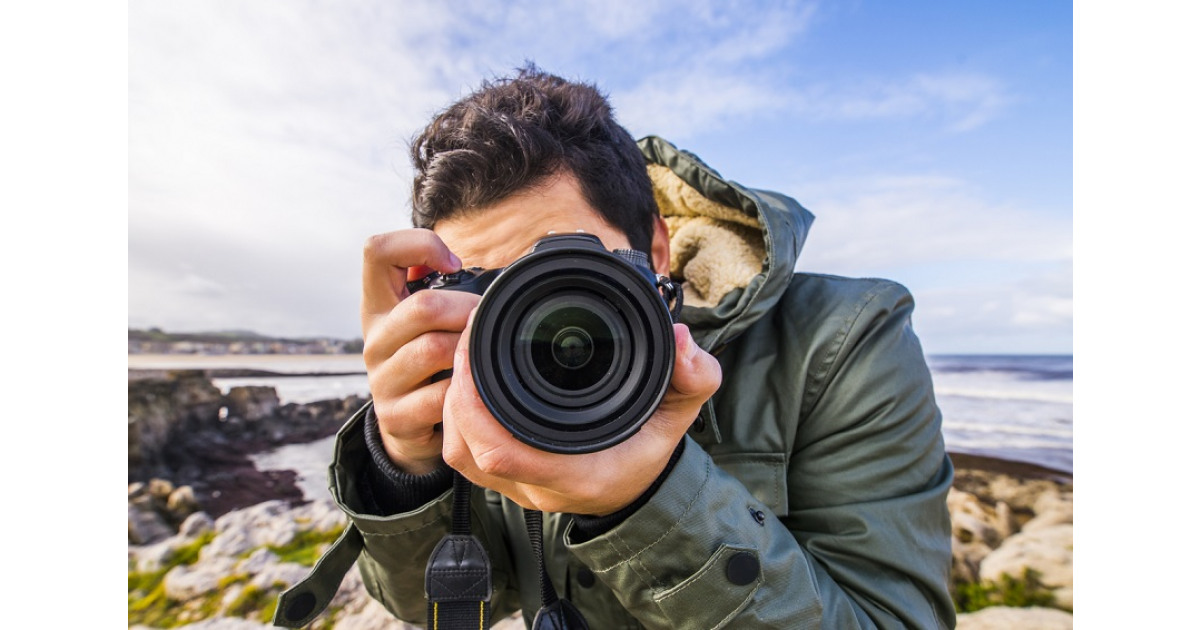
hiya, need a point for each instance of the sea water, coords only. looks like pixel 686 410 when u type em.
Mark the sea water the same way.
pixel 1011 407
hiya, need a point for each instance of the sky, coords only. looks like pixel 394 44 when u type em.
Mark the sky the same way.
pixel 933 142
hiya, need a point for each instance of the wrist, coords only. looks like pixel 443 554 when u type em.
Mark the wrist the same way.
pixel 588 526
pixel 406 464
pixel 393 489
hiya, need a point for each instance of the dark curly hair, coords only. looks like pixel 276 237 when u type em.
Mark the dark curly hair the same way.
pixel 514 133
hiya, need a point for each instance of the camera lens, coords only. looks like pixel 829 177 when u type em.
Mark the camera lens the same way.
pixel 572 348
pixel 570 341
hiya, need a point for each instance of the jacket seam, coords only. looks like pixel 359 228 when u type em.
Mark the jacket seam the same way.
pixel 407 530
pixel 817 389
pixel 737 609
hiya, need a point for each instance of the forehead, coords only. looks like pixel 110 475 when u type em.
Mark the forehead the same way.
pixel 496 235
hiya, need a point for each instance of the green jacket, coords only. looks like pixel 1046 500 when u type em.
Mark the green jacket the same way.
pixel 821 457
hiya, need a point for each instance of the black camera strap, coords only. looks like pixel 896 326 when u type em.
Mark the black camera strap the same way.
pixel 555 613
pixel 458 578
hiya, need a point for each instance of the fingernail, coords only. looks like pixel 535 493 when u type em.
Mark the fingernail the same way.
pixel 455 262
pixel 692 347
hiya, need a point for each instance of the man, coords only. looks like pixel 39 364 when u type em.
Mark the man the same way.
pixel 794 474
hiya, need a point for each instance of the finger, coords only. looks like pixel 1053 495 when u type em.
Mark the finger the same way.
pixel 420 314
pixel 415 415
pixel 412 366
pixel 386 258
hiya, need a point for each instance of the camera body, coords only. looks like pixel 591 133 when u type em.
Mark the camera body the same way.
pixel 572 347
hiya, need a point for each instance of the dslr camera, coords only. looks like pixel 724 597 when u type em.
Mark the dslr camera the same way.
pixel 572 347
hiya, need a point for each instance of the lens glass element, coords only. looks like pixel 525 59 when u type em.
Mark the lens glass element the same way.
pixel 571 346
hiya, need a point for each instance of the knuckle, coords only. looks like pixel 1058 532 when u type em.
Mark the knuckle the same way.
pixel 495 462
pixel 422 306
pixel 374 246
pixel 375 352
pixel 456 455
pixel 429 353
pixel 428 406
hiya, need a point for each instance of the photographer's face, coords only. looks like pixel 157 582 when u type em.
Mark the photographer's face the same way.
pixel 497 235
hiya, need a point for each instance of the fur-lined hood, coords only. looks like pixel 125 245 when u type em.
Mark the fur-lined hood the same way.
pixel 734 248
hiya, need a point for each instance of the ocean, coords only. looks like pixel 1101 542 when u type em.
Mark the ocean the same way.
pixel 1013 407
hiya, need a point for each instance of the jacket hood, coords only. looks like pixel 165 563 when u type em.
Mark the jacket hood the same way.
pixel 734 248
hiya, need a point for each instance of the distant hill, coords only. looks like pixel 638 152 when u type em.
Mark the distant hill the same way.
pixel 158 341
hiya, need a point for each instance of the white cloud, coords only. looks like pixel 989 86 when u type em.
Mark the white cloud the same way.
pixel 1032 313
pixel 959 101
pixel 865 225
pixel 989 276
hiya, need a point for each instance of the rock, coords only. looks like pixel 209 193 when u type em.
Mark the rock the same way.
pixel 1046 550
pixel 161 408
pixel 1052 508
pixel 225 623
pixel 251 403
pixel 1006 520
pixel 322 515
pixel 160 489
pixel 256 562
pixel 1005 618
pixel 280 575
pixel 976 530
pixel 966 559
pixel 186 582
pixel 196 524
pixel 972 521
pixel 181 503
pixel 145 524
pixel 373 616
pixel 257 526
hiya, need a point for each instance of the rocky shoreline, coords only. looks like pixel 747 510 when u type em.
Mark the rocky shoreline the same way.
pixel 183 429
pixel 213 547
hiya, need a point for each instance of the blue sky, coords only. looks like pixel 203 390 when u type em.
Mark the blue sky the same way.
pixel 933 141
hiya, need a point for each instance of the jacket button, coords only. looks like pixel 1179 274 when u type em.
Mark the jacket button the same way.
pixel 585 577
pixel 742 568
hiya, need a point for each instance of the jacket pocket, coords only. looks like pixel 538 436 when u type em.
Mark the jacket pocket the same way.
pixel 763 474
pixel 712 596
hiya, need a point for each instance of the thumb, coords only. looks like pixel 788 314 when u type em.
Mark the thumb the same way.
pixel 697 373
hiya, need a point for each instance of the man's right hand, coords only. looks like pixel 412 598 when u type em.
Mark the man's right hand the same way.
pixel 407 339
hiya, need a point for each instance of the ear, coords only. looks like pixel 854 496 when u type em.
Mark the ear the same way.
pixel 660 247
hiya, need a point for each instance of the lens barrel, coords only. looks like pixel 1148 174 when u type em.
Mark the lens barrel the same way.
pixel 572 347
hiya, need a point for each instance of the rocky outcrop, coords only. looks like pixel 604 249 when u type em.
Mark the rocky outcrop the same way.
pixel 1013 532
pixel 183 429
pixel 160 409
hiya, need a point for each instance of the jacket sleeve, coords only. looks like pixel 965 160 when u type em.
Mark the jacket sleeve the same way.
pixel 396 547
pixel 865 540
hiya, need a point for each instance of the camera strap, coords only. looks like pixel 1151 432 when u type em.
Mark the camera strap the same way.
pixel 458 578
